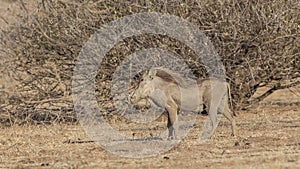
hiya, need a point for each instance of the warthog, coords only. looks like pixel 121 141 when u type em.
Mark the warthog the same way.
pixel 170 97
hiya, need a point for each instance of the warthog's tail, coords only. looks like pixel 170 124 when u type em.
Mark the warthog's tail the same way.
pixel 230 98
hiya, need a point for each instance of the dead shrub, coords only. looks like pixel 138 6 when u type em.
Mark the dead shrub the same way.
pixel 258 42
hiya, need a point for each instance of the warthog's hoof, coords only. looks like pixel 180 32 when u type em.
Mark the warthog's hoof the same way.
pixel 171 138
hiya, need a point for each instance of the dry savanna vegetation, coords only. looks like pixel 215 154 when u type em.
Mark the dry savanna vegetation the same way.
pixel 258 42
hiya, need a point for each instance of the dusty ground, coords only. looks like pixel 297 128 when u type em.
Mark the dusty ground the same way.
pixel 269 137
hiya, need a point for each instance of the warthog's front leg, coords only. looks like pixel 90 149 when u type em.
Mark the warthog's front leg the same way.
pixel 172 119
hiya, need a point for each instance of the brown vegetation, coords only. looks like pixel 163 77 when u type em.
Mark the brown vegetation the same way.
pixel 258 42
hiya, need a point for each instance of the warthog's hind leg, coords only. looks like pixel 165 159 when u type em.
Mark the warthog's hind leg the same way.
pixel 229 115
pixel 172 119
pixel 171 130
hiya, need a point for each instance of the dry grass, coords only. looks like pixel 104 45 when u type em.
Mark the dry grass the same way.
pixel 268 138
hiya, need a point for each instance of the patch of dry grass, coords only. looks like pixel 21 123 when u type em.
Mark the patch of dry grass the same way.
pixel 268 138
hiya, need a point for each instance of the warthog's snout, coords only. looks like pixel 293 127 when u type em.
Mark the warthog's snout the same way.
pixel 133 99
pixel 138 102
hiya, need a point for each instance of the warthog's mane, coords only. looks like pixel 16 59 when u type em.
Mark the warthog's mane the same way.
pixel 177 79
pixel 173 77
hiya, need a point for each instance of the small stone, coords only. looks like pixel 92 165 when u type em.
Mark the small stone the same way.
pixel 225 152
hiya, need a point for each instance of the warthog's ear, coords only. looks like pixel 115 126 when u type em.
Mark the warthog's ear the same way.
pixel 145 74
pixel 152 73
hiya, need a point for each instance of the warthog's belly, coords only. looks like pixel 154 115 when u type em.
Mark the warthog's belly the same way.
pixel 188 100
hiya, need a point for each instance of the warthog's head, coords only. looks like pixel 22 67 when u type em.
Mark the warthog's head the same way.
pixel 144 89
